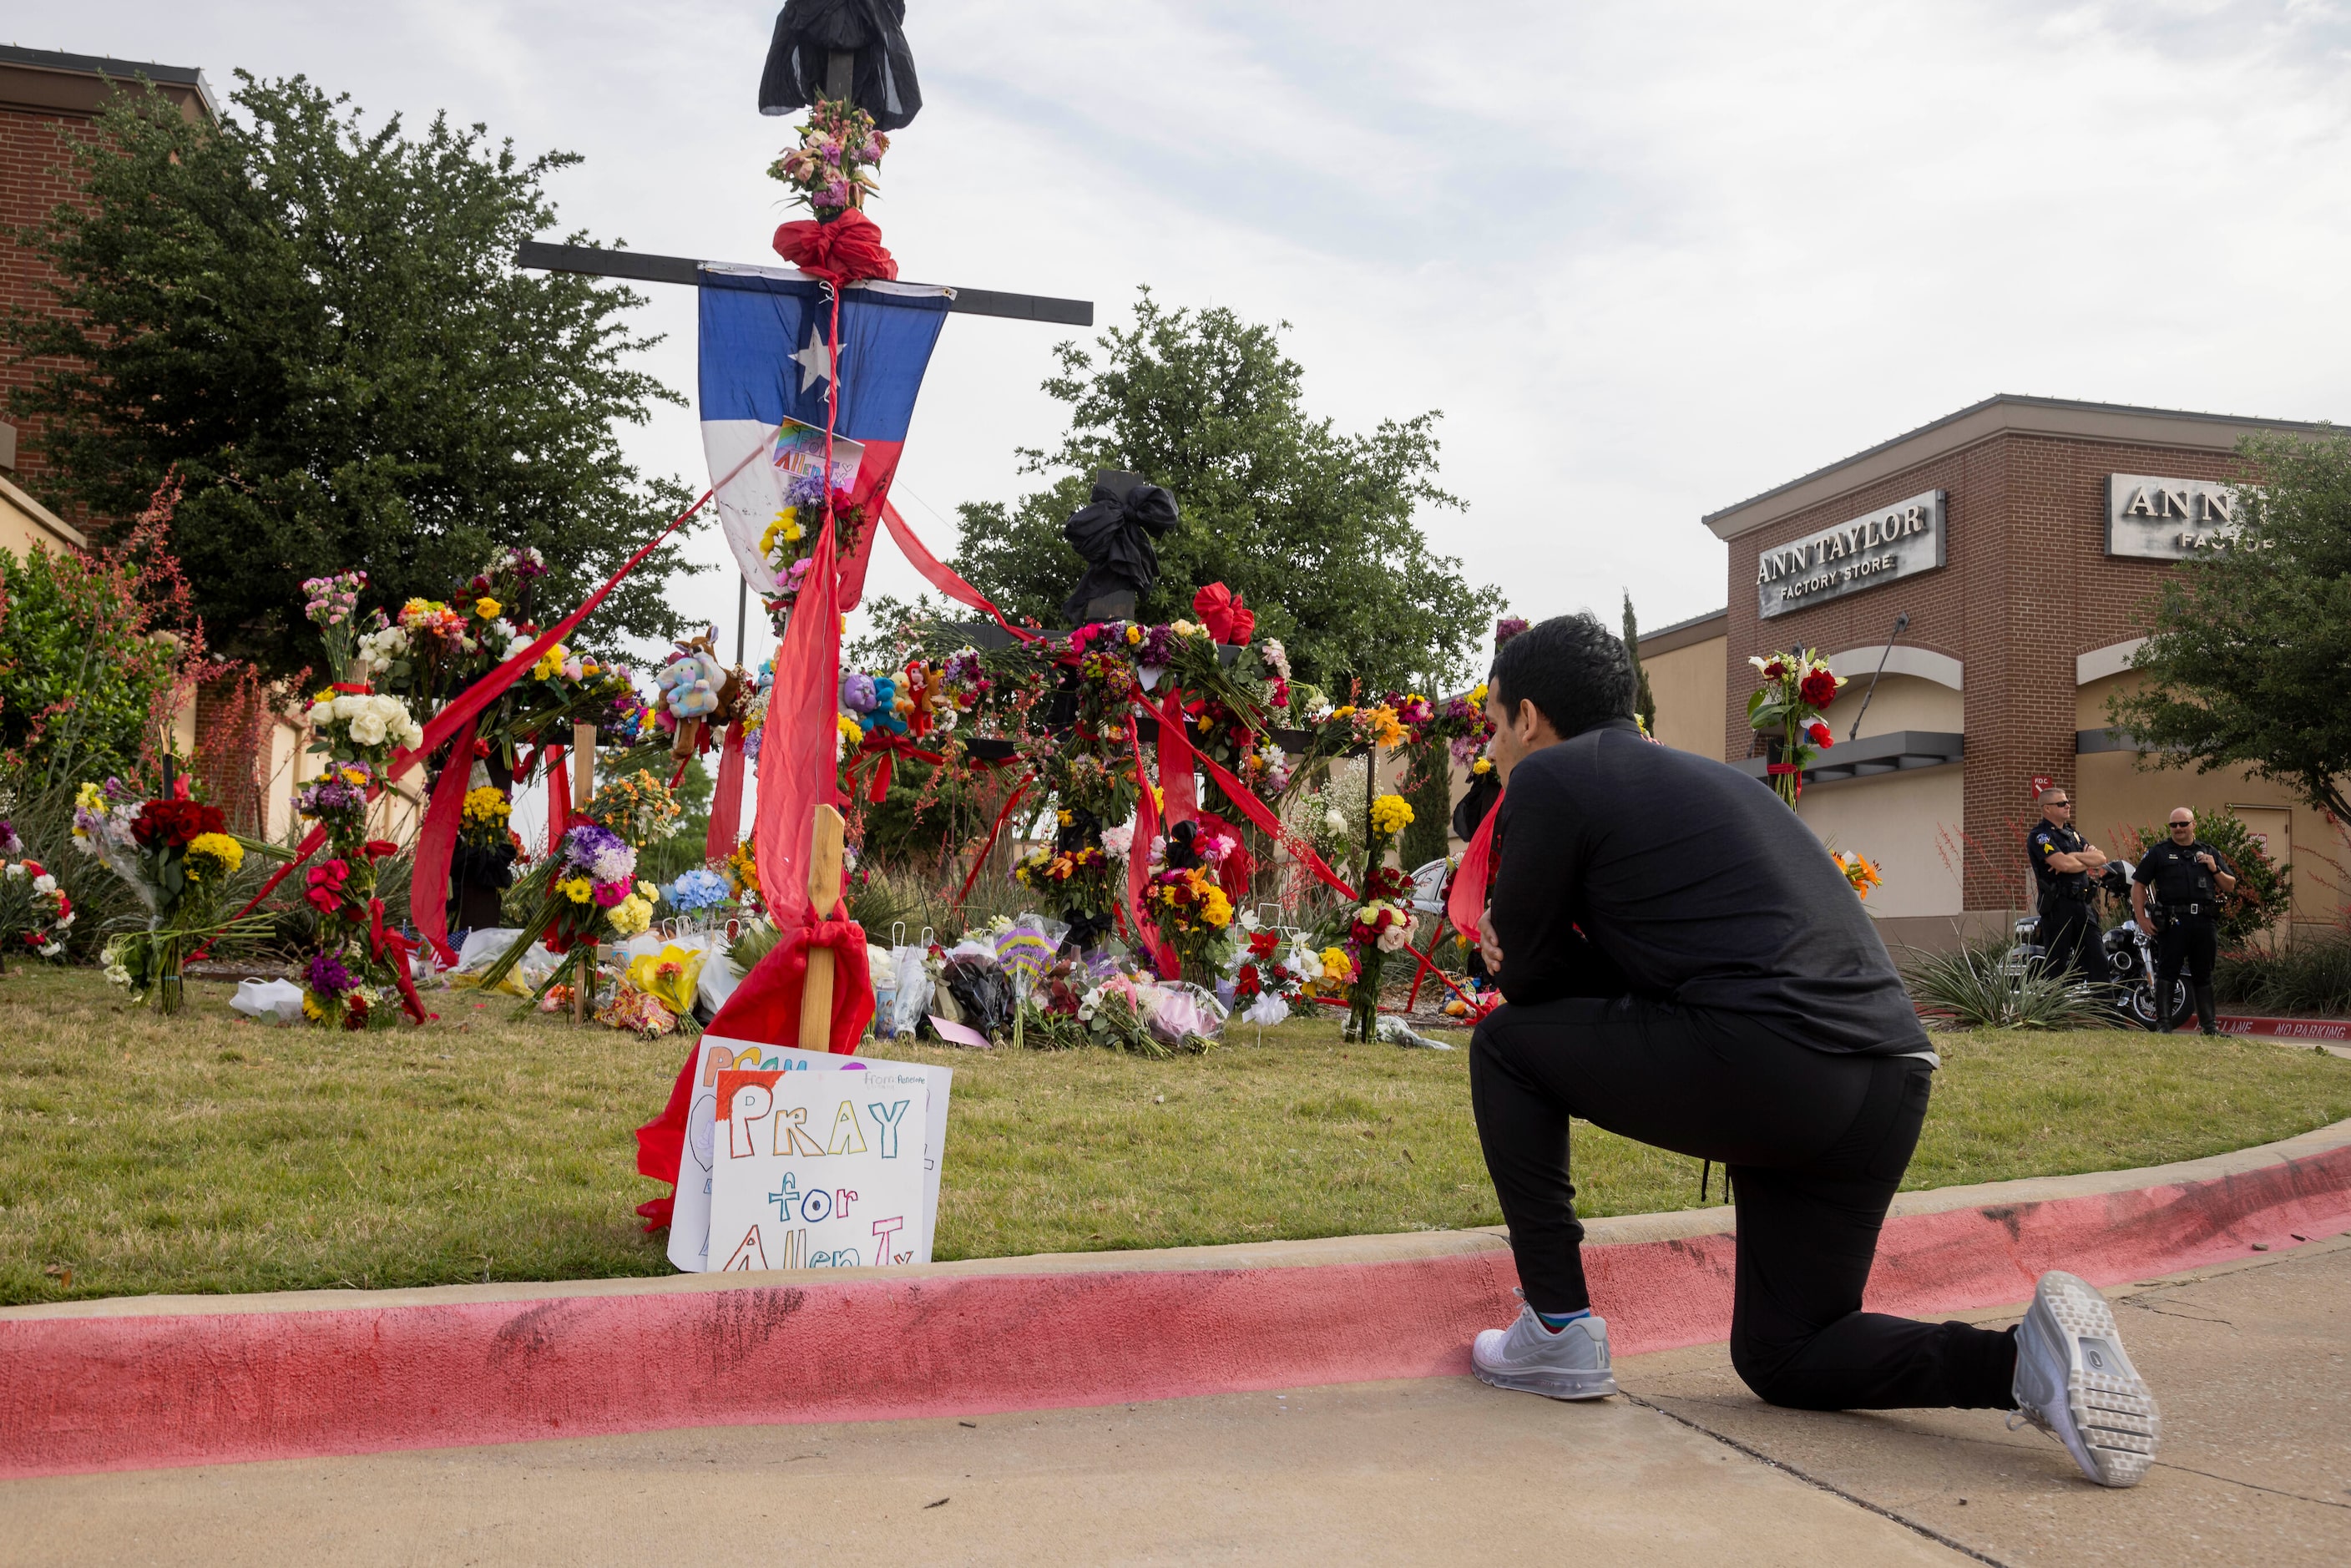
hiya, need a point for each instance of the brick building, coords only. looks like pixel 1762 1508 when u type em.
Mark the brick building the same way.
pixel 46 98
pixel 2023 539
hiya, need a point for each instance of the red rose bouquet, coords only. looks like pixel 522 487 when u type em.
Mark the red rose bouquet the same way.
pixel 1786 709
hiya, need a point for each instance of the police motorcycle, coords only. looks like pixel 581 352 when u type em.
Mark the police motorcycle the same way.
pixel 2127 952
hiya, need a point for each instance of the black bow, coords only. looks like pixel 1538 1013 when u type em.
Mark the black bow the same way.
pixel 1112 534
pixel 809 32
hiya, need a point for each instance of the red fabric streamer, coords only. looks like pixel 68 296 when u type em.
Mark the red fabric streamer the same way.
pixel 1777 769
pixel 1467 903
pixel 1220 609
pixel 1138 871
pixel 796 769
pixel 846 250
pixel 558 797
pixel 428 888
pixel 726 797
pixel 1183 800
pixel 981 859
pixel 767 1006
pixel 941 576
pixel 385 943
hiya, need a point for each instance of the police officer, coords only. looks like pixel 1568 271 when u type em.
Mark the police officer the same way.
pixel 2063 864
pixel 2188 877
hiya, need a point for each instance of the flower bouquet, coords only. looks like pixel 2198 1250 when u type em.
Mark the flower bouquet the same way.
pixel 1786 710
pixel 1191 910
pixel 1382 923
pixel 175 855
pixel 34 910
pixel 1269 980
pixel 830 170
pixel 482 866
pixel 1860 872
pixel 587 891
pixel 355 964
pixel 695 893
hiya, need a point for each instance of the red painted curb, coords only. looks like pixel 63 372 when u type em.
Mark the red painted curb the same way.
pixel 126 1391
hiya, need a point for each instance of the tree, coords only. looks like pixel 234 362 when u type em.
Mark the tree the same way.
pixel 1316 530
pixel 2249 657
pixel 319 329
pixel 1643 702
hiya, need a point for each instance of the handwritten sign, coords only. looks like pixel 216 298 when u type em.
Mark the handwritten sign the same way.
pixel 689 1230
pixel 816 1170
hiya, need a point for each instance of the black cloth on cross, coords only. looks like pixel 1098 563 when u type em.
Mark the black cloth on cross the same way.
pixel 1114 534
pixel 809 32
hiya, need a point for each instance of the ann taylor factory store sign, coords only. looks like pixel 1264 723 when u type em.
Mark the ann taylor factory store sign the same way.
pixel 1900 540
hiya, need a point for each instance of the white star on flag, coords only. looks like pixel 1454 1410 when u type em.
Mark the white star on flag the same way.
pixel 815 362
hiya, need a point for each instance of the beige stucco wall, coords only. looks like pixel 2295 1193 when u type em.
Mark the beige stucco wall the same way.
pixel 1687 686
pixel 26 525
pixel 1902 702
pixel 1906 823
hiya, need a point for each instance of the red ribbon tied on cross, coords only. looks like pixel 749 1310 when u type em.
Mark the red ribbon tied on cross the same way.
pixel 1220 609
pixel 846 250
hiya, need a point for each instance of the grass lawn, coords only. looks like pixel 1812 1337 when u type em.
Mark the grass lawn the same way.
pixel 212 1153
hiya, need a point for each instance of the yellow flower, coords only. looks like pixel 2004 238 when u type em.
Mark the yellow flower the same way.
pixel 850 730
pixel 786 527
pixel 630 916
pixel 218 848
pixel 1483 765
pixel 1477 695
pixel 91 797
pixel 1216 909
pixel 486 804
pixel 487 608
pixel 578 889
pixel 1391 814
pixel 1134 635
pixel 1334 964
pixel 1063 816
pixel 550 663
pixel 1346 712
pixel 310 1007
pixel 1386 729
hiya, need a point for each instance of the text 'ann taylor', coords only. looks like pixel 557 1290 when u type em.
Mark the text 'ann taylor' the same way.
pixel 1895 541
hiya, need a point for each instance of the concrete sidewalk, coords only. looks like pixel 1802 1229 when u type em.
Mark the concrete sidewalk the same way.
pixel 2252 1362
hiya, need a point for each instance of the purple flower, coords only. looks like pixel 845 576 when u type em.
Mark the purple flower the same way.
pixel 1508 627
pixel 1157 647
pixel 583 843
pixel 326 975
pixel 10 844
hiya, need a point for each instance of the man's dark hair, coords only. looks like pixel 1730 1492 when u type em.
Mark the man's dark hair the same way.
pixel 1574 673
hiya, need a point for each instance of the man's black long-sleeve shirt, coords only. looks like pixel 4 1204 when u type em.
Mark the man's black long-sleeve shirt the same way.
pixel 1696 884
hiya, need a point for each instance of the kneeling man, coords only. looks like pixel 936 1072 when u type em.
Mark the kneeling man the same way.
pixel 1682 963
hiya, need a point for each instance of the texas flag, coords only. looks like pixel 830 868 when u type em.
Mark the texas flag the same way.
pixel 765 371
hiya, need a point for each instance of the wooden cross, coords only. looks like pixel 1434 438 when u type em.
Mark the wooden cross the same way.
pixel 824 898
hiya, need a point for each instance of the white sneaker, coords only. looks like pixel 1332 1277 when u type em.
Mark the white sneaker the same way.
pixel 2074 1382
pixel 1570 1365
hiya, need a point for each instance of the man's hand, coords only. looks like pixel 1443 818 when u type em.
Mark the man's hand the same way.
pixel 2146 924
pixel 2207 862
pixel 1489 946
pixel 2092 857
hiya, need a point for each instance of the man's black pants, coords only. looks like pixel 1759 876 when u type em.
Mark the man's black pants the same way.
pixel 2189 941
pixel 2069 934
pixel 1816 1144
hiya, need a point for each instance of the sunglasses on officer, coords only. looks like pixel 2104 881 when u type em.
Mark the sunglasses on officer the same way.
pixel 2186 827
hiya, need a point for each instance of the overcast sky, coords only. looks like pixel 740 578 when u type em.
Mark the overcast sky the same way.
pixel 1649 260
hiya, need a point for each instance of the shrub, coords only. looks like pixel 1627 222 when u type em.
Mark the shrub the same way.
pixel 2264 887
pixel 2309 977
pixel 1981 985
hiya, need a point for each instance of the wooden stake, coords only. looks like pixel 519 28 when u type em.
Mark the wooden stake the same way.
pixel 824 896
pixel 583 790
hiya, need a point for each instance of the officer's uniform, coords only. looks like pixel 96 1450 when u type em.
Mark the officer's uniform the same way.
pixel 2069 929
pixel 2185 901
